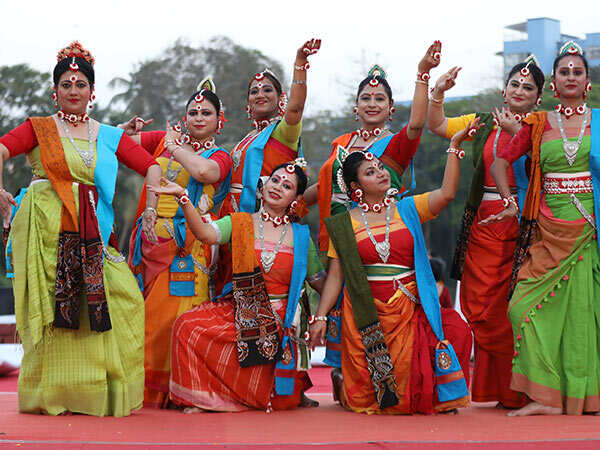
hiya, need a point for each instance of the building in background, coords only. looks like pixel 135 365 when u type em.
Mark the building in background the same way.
pixel 543 38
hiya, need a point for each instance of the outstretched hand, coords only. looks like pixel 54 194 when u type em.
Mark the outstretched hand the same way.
pixel 447 81
pixel 135 125
pixel 506 120
pixel 507 214
pixel 310 47
pixel 432 57
pixel 167 187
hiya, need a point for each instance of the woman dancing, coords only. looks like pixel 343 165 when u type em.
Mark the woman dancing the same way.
pixel 79 310
pixel 275 138
pixel 374 108
pixel 484 254
pixel 553 309
pixel 174 274
pixel 248 351
pixel 391 316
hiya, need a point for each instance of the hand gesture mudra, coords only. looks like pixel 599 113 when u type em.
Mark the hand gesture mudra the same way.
pixel 506 120
pixel 173 133
pixel 447 81
pixel 432 57
pixel 135 125
pixel 508 213
pixel 167 187
pixel 310 47
pixel 469 131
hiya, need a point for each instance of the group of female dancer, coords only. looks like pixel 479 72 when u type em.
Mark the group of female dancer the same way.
pixel 212 312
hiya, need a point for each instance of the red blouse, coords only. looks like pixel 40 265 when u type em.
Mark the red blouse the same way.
pixel 23 139
pixel 520 144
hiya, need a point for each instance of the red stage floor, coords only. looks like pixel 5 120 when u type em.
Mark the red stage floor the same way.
pixel 479 427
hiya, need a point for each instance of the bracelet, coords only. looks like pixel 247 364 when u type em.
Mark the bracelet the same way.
pixel 151 209
pixel 459 152
pixel 423 76
pixel 422 82
pixel 298 81
pixel 507 201
pixel 184 197
pixel 436 100
pixel 304 66
pixel 313 319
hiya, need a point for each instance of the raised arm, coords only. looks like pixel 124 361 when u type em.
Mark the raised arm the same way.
pixel 295 107
pixel 418 110
pixel 440 198
pixel 331 291
pixel 204 232
pixel 436 119
pixel 133 128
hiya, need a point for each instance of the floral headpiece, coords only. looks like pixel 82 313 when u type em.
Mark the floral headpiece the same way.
pixel 531 59
pixel 75 50
pixel 300 162
pixel 207 84
pixel 376 73
pixel 570 48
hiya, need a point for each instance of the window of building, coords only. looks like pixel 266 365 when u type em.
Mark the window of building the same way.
pixel 592 52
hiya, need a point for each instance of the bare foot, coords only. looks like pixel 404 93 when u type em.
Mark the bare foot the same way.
pixel 337 381
pixel 535 408
pixel 450 412
pixel 66 413
pixel 306 402
pixel 192 410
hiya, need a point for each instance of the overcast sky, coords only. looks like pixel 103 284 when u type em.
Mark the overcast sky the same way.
pixel 355 34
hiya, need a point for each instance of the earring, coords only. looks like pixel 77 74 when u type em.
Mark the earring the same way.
pixel 92 98
pixel 553 89
pixel 504 96
pixel 282 104
pixel 292 208
pixel 357 195
pixel 55 97
pixel 248 112
pixel 588 88
pixel 392 111
pixel 355 113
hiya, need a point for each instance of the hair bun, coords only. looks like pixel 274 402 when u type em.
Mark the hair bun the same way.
pixel 75 50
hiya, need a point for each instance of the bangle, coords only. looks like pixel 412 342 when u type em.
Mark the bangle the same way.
pixel 436 100
pixel 422 82
pixel 183 200
pixel 298 81
pixel 313 319
pixel 151 209
pixel 304 66
pixel 507 201
pixel 423 76
pixel 459 152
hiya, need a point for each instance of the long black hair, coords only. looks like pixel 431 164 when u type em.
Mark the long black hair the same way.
pixel 536 73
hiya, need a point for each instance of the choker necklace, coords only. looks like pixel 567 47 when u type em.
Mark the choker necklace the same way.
pixel 266 257
pixel 73 119
pixel 568 111
pixel 367 134
pixel 571 148
pixel 196 145
pixel 382 248
pixel 276 220
pixel 378 207
pixel 262 124
pixel 87 156
pixel 171 174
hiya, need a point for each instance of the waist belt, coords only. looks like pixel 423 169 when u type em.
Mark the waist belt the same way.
pixel 494 190
pixel 398 275
pixel 568 183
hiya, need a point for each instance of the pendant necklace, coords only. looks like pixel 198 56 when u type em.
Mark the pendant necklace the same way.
pixel 268 258
pixel 383 247
pixel 572 147
pixel 87 156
